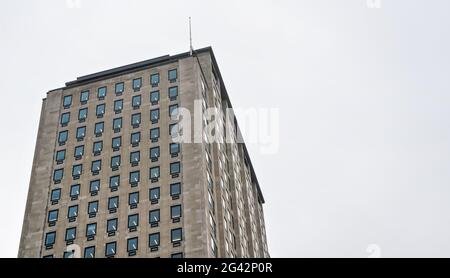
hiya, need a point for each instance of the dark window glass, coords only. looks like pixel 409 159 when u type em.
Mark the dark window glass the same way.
pixel 101 93
pixel 114 182
pixel 116 142
pixel 84 96
pixel 115 161
pixel 132 244
pixel 117 123
pixel 154 173
pixel 133 198
pixel 136 101
pixel 136 119
pixel 135 138
pixel 89 252
pixel 91 229
pixel 82 114
pixel 137 83
pixel 154 194
pixel 154 153
pixel 93 207
pixel 56 195
pixel 111 225
pixel 153 240
pixel 154 79
pixel 52 216
pixel 81 132
pixel 96 166
pixel 174 168
pixel 176 235
pixel 110 249
pixel 154 133
pixel 154 216
pixel 135 177
pixel 62 137
pixel 175 189
pixel 175 211
pixel 72 212
pixel 113 203
pixel 94 186
pixel 118 106
pixel 77 170
pixel 58 175
pixel 173 92
pixel 67 102
pixel 177 256
pixel 174 148
pixel 71 233
pixel 99 127
pixel 79 151
pixel 65 118
pixel 154 97
pixel 100 110
pixel 60 155
pixel 98 147
pixel 120 87
pixel 173 75
pixel 135 157
pixel 154 115
pixel 74 190
pixel 50 238
pixel 133 221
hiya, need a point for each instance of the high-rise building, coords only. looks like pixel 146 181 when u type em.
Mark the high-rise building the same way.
pixel 111 179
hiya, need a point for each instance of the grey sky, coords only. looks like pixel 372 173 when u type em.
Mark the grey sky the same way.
pixel 364 97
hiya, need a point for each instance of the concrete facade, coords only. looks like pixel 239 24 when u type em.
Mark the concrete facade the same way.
pixel 221 202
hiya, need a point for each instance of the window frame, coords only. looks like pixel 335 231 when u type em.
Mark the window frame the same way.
pixel 100 91
pixel 175 240
pixel 117 88
pixel 63 121
pixel 84 96
pixel 137 88
pixel 154 100
pixel 109 245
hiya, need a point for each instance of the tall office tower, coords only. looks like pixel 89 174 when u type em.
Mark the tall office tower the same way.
pixel 110 180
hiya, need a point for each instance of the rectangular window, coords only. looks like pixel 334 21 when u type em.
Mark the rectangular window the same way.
pixel 175 189
pixel 175 212
pixel 91 230
pixel 96 167
pixel 52 217
pixel 67 102
pixel 101 93
pixel 99 127
pixel 154 79
pixel 132 246
pixel 79 152
pixel 58 175
pixel 65 119
pixel 173 75
pixel 72 212
pixel 92 209
pixel 74 191
pixel 133 222
pixel 55 196
pixel 82 115
pixel 120 87
pixel 110 249
pixel 50 239
pixel 176 235
pixel 154 97
pixel 174 130
pixel 116 143
pixel 174 149
pixel 113 204
pixel 118 106
pixel 81 133
pixel 89 252
pixel 135 178
pixel 94 187
pixel 154 134
pixel 153 240
pixel 111 226
pixel 60 156
pixel 135 139
pixel 62 137
pixel 135 157
pixel 133 200
pixel 173 93
pixel 173 111
pixel 175 168
pixel 117 124
pixel 114 182
pixel 136 120
pixel 154 115
pixel 100 110
pixel 154 195
pixel 84 97
pixel 115 162
pixel 177 256
pixel 136 102
pixel 77 170
pixel 154 173
pixel 137 84
pixel 154 153
pixel 154 217
pixel 97 148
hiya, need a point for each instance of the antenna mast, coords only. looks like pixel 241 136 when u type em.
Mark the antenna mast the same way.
pixel 191 49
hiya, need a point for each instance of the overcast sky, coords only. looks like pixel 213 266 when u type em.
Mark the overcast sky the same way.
pixel 363 93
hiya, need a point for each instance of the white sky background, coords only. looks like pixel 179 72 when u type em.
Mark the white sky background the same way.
pixel 363 95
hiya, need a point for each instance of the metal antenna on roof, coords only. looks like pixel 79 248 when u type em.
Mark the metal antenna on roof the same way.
pixel 191 49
